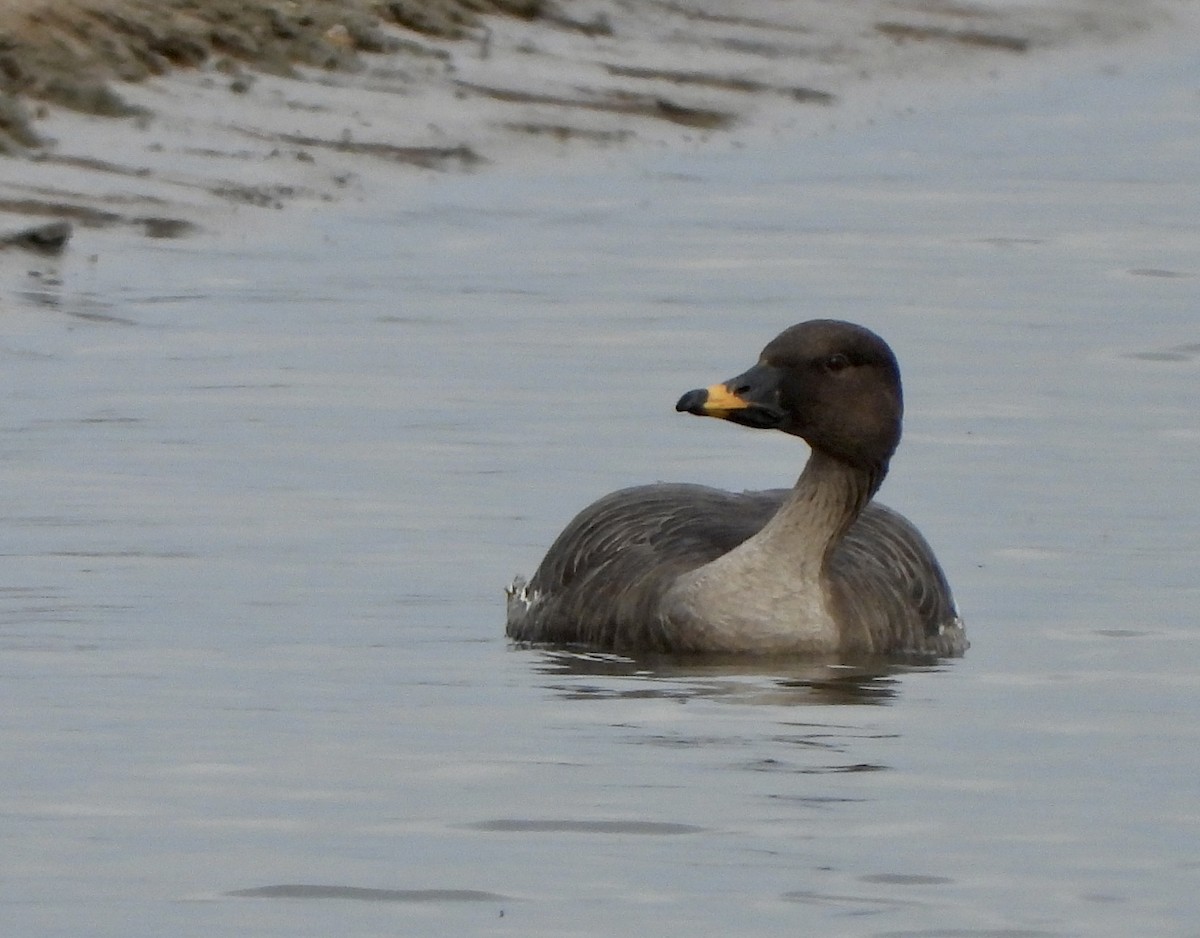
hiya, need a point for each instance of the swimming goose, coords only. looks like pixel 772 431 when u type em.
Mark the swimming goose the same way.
pixel 815 570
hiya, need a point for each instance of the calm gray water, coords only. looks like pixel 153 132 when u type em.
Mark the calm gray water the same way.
pixel 263 488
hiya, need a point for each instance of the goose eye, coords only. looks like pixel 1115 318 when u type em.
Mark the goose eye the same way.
pixel 836 362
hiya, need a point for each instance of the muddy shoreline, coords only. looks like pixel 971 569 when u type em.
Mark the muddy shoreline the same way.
pixel 153 115
pixel 71 52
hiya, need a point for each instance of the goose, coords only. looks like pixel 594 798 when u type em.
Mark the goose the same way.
pixel 818 570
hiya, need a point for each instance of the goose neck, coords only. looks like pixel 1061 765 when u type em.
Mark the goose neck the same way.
pixel 826 499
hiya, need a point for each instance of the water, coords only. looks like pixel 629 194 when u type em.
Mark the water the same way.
pixel 263 488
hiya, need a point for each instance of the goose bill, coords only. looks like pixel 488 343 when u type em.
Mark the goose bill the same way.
pixel 749 399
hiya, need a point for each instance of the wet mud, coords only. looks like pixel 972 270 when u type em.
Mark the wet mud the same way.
pixel 70 51
pixel 156 115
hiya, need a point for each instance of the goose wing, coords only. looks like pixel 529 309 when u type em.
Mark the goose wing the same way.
pixel 887 580
pixel 602 579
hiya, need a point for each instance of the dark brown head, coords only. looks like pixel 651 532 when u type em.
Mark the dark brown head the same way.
pixel 833 383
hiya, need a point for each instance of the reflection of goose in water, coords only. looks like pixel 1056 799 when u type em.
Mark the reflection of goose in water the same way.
pixel 818 569
pixel 736 679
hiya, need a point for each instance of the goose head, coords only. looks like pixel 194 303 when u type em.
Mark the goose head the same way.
pixel 834 384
